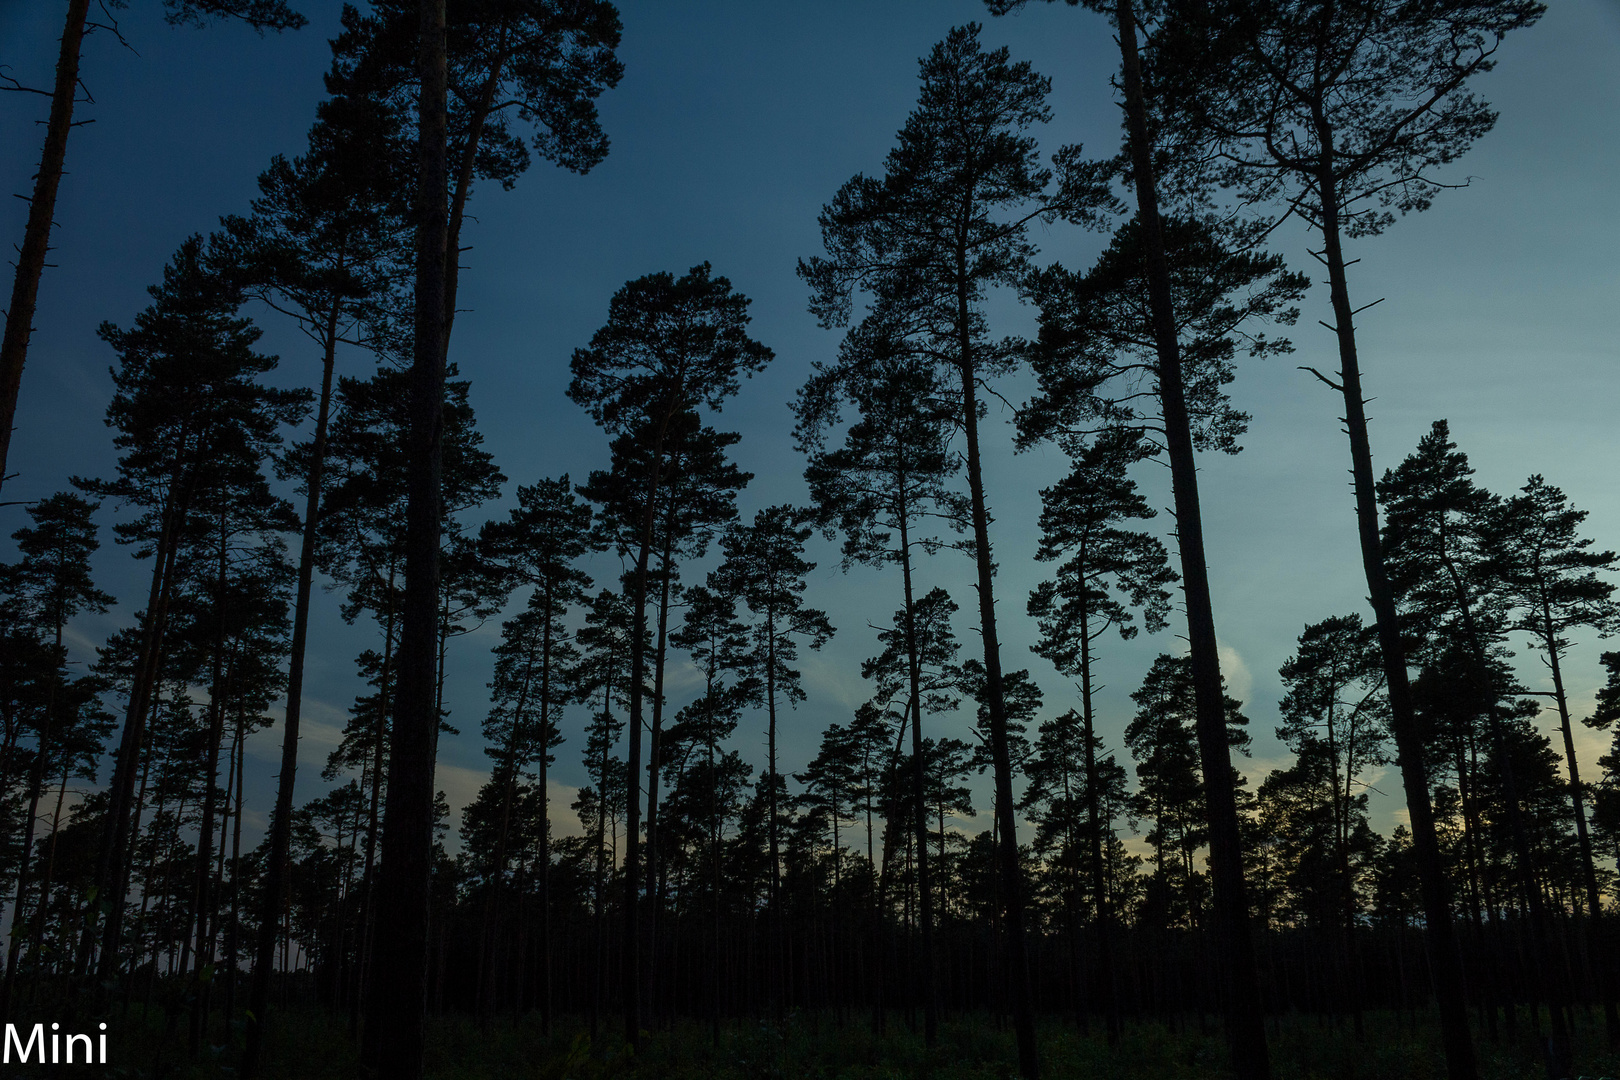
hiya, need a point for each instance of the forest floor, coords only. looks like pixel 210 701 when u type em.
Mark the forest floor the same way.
pixel 309 1045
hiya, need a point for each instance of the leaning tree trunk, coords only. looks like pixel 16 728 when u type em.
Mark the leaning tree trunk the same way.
pixel 1245 1019
pixel 37 233
pixel 393 1043
pixel 276 870
pixel 1445 960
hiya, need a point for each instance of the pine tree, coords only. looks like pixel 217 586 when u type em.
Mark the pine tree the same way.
pixel 324 246
pixel 669 345
pixel 48 586
pixel 765 569
pixel 1170 772
pixel 1345 112
pixel 711 793
pixel 541 541
pixel 190 414
pixel 947 222
pixel 1552 586
pixel 513 65
pixel 887 490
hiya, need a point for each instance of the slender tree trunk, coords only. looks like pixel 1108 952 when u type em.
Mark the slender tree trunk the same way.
pixel 1099 887
pixel 112 874
pixel 379 753
pixel 778 946
pixel 497 877
pixel 234 948
pixel 919 786
pixel 1010 873
pixel 276 870
pixel 36 787
pixel 393 1042
pixel 653 749
pixel 545 830
pixel 202 893
pixel 631 958
pixel 46 882
pixel 1594 898
pixel 1245 1018
pixel 714 884
pixel 1445 959
pixel 37 233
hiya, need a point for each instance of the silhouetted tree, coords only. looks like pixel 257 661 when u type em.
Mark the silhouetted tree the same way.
pixel 546 534
pixel 881 488
pixel 669 345
pixel 49 585
pixel 1551 584
pixel 1344 111
pixel 946 223
pixel 260 14
pixel 765 569
pixel 190 415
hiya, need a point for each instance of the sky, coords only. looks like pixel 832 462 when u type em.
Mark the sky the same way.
pixel 734 123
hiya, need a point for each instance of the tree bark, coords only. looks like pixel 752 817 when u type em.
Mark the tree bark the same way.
pixel 37 233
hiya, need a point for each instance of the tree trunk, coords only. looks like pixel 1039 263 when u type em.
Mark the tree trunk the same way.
pixel 1445 960
pixel 276 869
pixel 631 959
pixel 36 788
pixel 202 893
pixel 1010 874
pixel 397 1004
pixel 919 788
pixel 1594 899
pixel 545 833
pixel 1099 888
pixel 653 749
pixel 1245 1019
pixel 37 233
pixel 234 948
pixel 112 871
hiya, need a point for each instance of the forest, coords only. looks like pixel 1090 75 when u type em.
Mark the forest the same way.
pixel 333 746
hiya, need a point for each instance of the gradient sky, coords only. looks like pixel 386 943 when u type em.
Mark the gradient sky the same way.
pixel 734 123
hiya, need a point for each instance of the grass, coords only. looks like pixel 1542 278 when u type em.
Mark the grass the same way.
pixel 308 1045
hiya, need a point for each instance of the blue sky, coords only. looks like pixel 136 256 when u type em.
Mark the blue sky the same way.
pixel 734 123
